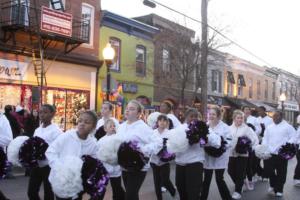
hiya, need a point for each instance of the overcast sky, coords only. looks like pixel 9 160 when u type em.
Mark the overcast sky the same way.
pixel 268 28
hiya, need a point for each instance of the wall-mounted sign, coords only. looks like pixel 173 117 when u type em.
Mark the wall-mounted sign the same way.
pixel 11 69
pixel 130 87
pixel 56 22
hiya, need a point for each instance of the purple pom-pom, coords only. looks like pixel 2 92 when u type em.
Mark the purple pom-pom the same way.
pixel 287 151
pixel 4 164
pixel 130 157
pixel 243 145
pixel 164 155
pixel 32 151
pixel 197 133
pixel 94 177
pixel 216 152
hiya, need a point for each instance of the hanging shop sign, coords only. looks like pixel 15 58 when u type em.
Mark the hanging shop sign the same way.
pixel 130 88
pixel 14 70
pixel 56 22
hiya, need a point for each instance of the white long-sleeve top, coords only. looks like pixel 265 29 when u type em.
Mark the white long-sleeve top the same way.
pixel 69 144
pixel 101 122
pixel 6 135
pixel 242 130
pixel 266 120
pixel 139 131
pixel 113 170
pixel 277 135
pixel 254 121
pixel 48 134
pixel 174 119
pixel 221 162
pixel 193 154
pixel 154 158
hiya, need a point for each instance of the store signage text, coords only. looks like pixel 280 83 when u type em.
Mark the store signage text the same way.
pixel 56 22
pixel 10 69
pixel 130 87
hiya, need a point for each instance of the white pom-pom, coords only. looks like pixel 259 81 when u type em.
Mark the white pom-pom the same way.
pixel 214 140
pixel 108 149
pixel 177 141
pixel 65 177
pixel 262 152
pixel 152 119
pixel 13 150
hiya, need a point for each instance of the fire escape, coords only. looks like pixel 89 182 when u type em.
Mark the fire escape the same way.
pixel 23 18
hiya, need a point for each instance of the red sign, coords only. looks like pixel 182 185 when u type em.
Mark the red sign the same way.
pixel 56 22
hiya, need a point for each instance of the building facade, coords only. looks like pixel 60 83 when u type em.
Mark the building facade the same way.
pixel 60 36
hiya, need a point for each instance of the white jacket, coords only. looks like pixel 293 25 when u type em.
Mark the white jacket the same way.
pixel 143 134
pixel 237 132
pixel 69 144
pixel 221 162
pixel 6 135
pixel 267 121
pixel 174 119
pixel 154 158
pixel 193 154
pixel 48 134
pixel 113 170
pixel 277 135
pixel 255 122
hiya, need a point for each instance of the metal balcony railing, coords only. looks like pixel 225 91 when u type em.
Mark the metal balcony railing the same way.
pixel 18 15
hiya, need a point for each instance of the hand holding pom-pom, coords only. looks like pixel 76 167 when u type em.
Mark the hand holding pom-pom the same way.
pixel 4 164
pixel 243 145
pixel 197 133
pixel 216 152
pixel 32 151
pixel 287 151
pixel 14 148
pixel 262 152
pixel 130 156
pixel 108 150
pixel 177 140
pixel 94 177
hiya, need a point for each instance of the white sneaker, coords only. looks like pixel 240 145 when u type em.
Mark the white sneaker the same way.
pixel 236 195
pixel 163 189
pixel 270 190
pixel 297 182
pixel 278 194
pixel 250 185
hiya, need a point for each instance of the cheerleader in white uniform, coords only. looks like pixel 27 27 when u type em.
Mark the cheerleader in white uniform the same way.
pixel 161 170
pixel 106 113
pixel 238 162
pixel 189 165
pixel 113 170
pixel 6 137
pixel 297 169
pixel 135 129
pixel 76 142
pixel 219 164
pixel 48 132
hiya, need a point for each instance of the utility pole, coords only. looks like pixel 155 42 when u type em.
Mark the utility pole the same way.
pixel 204 52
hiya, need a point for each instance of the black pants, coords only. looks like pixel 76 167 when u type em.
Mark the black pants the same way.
pixel 161 176
pixel 249 169
pixel 2 196
pixel 257 168
pixel 297 169
pixel 219 175
pixel 276 169
pixel 133 182
pixel 237 171
pixel 189 180
pixel 38 176
pixel 117 189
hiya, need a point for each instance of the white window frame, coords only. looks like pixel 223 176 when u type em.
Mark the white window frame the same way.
pixel 166 60
pixel 116 66
pixel 91 41
pixel 63 1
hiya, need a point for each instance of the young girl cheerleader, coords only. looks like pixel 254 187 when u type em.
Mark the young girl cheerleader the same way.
pixel 48 132
pixel 113 170
pixel 76 142
pixel 217 164
pixel 134 129
pixel 161 170
pixel 189 166
pixel 238 158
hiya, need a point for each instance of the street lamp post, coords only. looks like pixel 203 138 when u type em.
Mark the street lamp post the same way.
pixel 108 55
pixel 282 98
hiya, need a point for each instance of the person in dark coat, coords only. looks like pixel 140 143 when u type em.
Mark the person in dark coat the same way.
pixel 32 122
pixel 15 127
